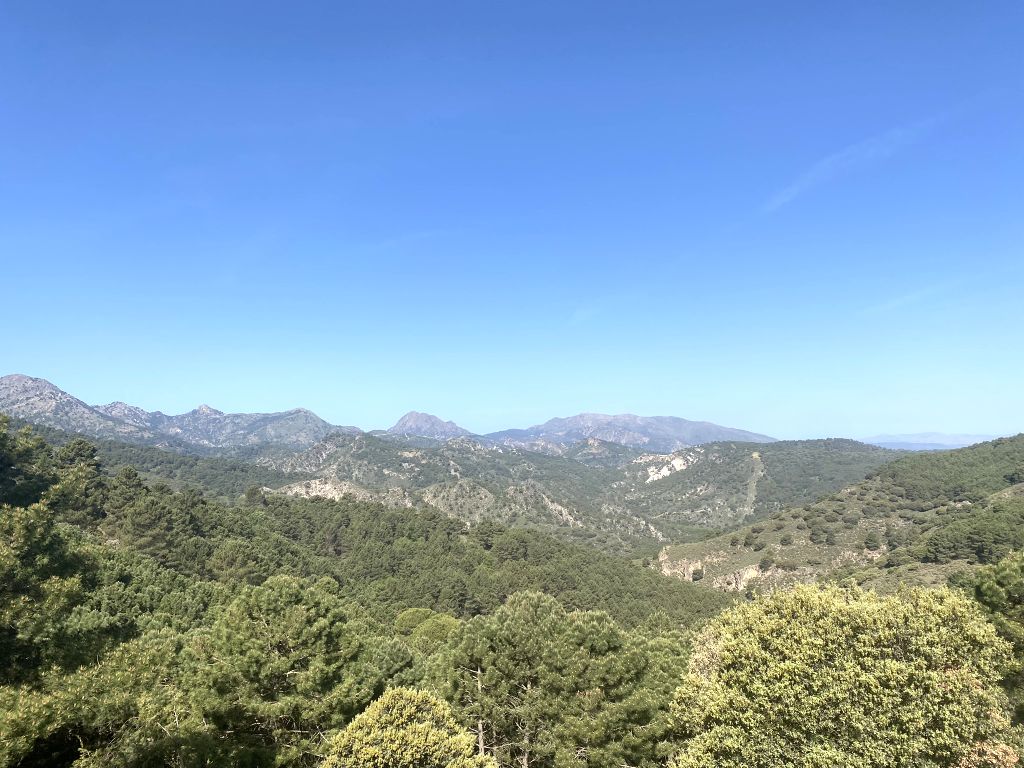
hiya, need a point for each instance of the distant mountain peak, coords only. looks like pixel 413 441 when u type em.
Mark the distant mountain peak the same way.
pixel 659 434
pixel 22 381
pixel 419 424
pixel 205 410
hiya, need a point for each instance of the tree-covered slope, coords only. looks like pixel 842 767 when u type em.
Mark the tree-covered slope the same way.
pixel 724 484
pixel 140 626
pixel 595 491
pixel 222 477
pixel 920 519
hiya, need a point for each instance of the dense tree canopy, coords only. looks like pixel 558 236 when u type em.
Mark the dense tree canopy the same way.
pixel 545 686
pixel 1000 590
pixel 820 677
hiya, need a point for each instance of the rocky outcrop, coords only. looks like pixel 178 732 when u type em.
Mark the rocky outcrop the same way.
pixel 40 402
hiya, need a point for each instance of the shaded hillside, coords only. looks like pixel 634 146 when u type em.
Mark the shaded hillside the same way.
pixel 920 519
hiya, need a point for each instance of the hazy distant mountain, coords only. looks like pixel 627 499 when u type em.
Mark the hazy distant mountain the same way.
pixel 40 402
pixel 927 441
pixel 416 424
pixel 660 434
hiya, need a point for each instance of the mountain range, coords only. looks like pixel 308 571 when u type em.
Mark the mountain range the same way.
pixel 38 401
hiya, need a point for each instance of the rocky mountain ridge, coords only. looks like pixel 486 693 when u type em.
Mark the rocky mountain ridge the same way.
pixel 38 401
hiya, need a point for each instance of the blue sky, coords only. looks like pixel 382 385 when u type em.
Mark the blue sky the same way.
pixel 803 219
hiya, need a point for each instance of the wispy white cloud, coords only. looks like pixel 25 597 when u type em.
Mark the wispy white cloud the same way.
pixel 828 168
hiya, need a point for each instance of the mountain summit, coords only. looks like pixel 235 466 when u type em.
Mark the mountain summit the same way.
pixel 416 424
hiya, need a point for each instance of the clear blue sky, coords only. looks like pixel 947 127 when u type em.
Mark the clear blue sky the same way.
pixel 803 219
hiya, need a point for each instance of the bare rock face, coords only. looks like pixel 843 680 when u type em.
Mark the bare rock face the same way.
pixel 40 402
pixel 416 424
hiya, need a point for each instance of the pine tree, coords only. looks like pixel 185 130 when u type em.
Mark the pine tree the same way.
pixel 405 728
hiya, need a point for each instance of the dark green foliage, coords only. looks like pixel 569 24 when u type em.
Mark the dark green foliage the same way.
pixel 1000 590
pixel 226 478
pixel 982 537
pixel 145 626
pixel 79 495
pixel 543 685
pixel 395 560
pixel 284 660
pixel 41 582
pixel 26 466
pixel 959 475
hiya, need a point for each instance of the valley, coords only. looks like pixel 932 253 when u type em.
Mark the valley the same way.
pixel 559 477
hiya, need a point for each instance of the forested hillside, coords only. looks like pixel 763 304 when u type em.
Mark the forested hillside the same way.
pixel 919 519
pixel 225 478
pixel 143 626
pixel 725 484
pixel 598 492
